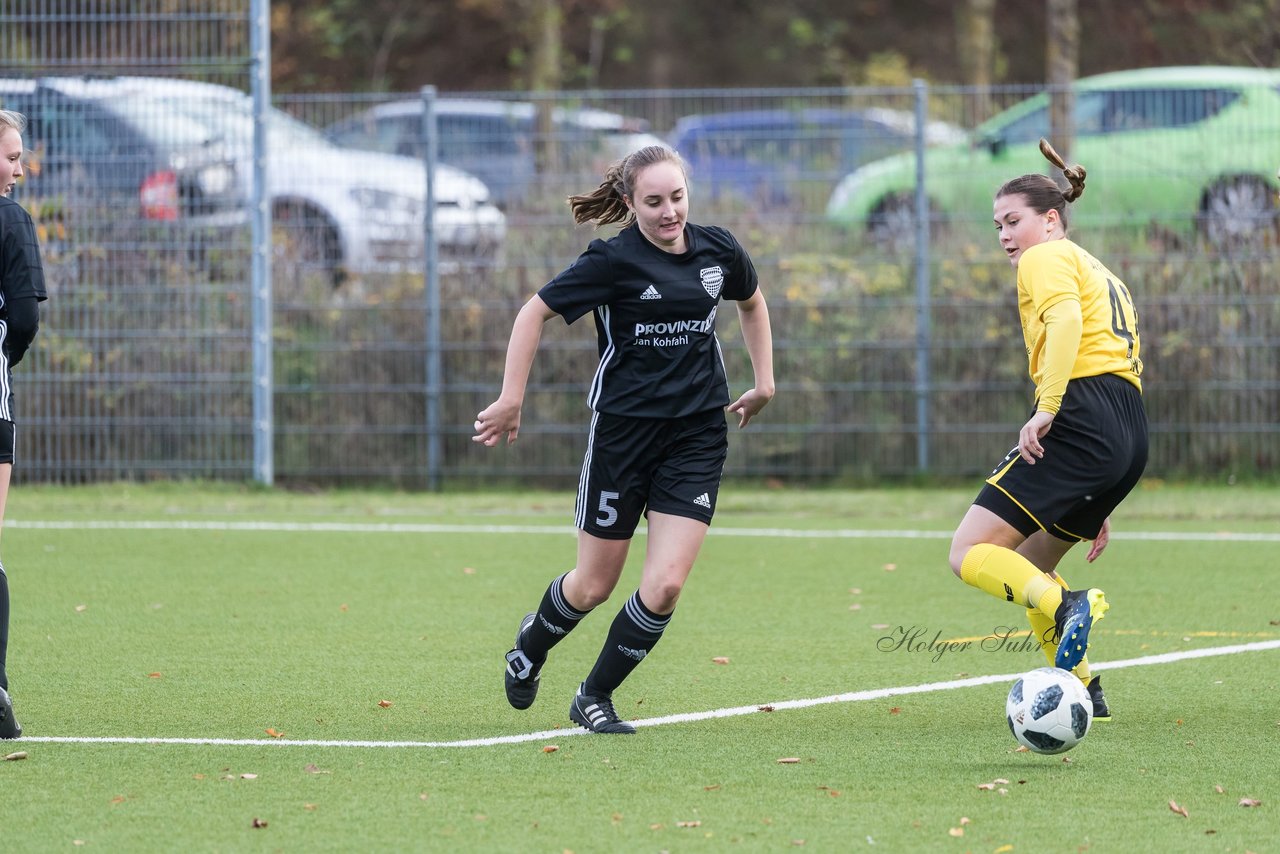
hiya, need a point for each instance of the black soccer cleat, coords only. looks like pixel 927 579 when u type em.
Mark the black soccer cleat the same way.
pixel 9 726
pixel 522 674
pixel 1101 711
pixel 597 715
pixel 1079 610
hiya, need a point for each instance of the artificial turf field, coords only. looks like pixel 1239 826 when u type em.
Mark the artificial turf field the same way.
pixel 213 668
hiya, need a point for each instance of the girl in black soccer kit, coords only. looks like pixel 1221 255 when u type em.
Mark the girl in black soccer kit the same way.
pixel 658 437
pixel 1085 446
pixel 21 290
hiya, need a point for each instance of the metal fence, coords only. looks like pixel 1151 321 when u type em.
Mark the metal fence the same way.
pixel 894 356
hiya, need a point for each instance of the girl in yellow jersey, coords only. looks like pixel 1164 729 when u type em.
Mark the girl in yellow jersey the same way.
pixel 1085 445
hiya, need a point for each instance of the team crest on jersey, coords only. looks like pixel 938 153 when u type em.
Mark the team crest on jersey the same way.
pixel 712 280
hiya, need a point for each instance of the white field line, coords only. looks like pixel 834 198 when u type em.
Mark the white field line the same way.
pixel 427 528
pixel 687 717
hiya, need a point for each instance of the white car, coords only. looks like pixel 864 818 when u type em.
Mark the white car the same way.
pixel 342 211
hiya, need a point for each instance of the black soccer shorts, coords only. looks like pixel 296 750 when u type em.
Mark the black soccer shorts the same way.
pixel 634 465
pixel 1094 454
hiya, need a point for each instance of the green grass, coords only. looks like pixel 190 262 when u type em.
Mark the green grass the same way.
pixel 223 632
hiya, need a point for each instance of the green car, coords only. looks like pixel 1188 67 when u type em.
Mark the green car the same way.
pixel 1175 148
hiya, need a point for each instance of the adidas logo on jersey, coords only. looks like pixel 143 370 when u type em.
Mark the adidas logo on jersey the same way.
pixel 703 500
pixel 651 293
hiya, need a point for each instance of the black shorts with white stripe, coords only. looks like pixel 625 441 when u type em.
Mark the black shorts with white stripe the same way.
pixel 634 465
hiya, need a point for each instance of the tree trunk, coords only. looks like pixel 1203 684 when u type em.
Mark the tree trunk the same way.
pixel 977 53
pixel 545 78
pixel 1062 57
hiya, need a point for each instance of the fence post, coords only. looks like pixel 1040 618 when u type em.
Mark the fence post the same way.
pixel 431 290
pixel 921 93
pixel 263 384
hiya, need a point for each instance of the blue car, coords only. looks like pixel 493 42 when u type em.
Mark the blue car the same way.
pixel 769 156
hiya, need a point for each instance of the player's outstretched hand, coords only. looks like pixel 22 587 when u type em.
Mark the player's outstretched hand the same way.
pixel 498 418
pixel 749 405
pixel 1100 541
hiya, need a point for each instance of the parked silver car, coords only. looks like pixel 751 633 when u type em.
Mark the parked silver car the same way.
pixel 495 140
pixel 342 211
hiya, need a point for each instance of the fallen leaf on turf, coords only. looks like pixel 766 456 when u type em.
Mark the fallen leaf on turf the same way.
pixel 789 760
pixel 835 793
pixel 1002 781
pixel 312 768
pixel 1022 748
pixel 956 831
pixel 156 675
pixel 257 822
pixel 1182 811
pixel 964 819
pixel 1067 760
pixel 720 659
pixel 890 567
pixel 14 757
pixel 711 788
pixel 986 787
pixel 118 799
pixel 878 626
pixel 197 776
pixel 688 824
pixel 274 733
pixel 855 590
pixel 309 807
pixel 1220 790
pixel 855 607
pixel 1002 849
pixel 765 708
pixel 386 704
pixel 895 710
pixel 1250 802
pixel 80 609
pixel 343 607
pixel 550 748
pixel 468 570
pixel 655 827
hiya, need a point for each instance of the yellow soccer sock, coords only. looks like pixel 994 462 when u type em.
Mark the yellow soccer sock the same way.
pixel 1007 575
pixel 1042 628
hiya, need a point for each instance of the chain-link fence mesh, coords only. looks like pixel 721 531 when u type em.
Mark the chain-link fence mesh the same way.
pixel 142 368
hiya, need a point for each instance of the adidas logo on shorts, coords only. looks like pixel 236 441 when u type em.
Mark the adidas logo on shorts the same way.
pixel 703 500
pixel 651 293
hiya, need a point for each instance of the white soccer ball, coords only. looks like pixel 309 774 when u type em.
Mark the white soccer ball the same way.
pixel 1049 710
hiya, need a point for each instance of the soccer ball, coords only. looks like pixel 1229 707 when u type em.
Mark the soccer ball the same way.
pixel 1049 710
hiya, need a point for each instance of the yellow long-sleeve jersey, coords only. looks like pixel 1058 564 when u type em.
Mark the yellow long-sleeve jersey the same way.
pixel 1050 275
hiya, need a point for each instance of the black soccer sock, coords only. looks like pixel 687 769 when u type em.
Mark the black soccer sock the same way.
pixel 4 627
pixel 634 633
pixel 554 619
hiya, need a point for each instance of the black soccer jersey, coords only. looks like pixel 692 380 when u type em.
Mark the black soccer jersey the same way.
pixel 655 316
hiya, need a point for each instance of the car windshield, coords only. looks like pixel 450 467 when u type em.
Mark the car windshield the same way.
pixel 158 123
pixel 233 118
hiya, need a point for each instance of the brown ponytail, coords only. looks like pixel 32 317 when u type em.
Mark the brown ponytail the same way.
pixel 1042 192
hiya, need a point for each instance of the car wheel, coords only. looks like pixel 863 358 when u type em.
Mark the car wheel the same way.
pixel 1238 210
pixel 892 224
pixel 307 246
